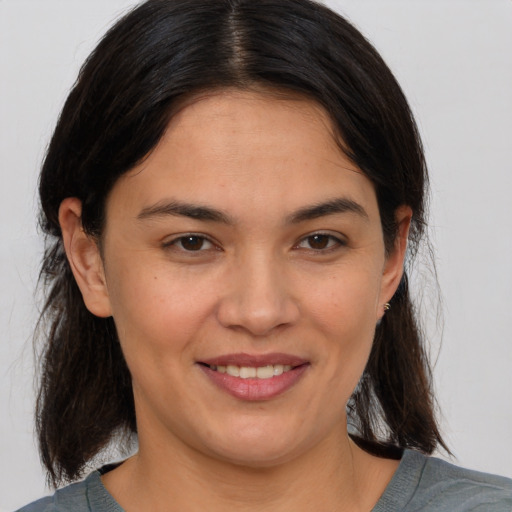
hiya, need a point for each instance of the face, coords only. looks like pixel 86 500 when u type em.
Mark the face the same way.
pixel 245 269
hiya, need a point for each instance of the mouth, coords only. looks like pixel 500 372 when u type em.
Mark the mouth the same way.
pixel 258 377
pixel 252 372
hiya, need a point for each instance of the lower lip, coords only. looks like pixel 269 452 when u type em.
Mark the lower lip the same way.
pixel 255 389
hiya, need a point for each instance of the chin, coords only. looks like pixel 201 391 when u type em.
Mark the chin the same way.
pixel 258 457
pixel 257 446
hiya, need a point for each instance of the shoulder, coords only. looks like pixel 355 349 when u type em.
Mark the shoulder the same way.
pixel 86 496
pixel 478 491
pixel 424 483
pixel 71 497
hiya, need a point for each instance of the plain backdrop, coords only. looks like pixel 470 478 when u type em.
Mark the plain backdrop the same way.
pixel 453 59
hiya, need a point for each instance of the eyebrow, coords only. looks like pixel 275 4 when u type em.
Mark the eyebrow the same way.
pixel 177 208
pixel 331 207
pixel 206 213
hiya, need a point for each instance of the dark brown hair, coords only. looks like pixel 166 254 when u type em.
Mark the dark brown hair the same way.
pixel 115 115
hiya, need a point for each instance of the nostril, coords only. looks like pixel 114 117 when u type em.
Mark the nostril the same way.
pixel 257 319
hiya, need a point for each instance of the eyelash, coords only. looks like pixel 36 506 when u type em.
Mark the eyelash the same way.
pixel 177 242
pixel 333 243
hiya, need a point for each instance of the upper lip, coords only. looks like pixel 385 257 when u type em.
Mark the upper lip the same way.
pixel 254 360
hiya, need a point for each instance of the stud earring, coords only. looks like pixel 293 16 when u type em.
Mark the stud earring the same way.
pixel 387 306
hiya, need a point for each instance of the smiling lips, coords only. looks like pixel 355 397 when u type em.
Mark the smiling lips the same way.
pixel 254 377
pixel 248 372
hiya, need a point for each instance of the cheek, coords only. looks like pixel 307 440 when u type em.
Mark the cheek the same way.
pixel 344 312
pixel 156 312
pixel 346 300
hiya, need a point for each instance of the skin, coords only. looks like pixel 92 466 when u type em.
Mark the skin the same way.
pixel 257 284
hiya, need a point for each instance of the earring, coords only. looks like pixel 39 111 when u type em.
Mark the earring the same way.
pixel 387 306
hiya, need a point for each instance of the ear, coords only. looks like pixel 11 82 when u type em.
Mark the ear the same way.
pixel 84 258
pixel 394 265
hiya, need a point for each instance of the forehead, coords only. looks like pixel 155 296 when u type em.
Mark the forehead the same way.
pixel 247 148
pixel 246 120
pixel 257 102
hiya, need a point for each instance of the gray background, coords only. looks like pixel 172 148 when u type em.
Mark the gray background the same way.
pixel 453 59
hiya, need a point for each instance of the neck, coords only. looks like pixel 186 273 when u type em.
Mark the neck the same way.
pixel 334 475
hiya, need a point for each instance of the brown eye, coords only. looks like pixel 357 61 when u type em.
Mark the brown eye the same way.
pixel 193 243
pixel 320 242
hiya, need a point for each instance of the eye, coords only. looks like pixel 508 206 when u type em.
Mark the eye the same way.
pixel 319 242
pixel 191 243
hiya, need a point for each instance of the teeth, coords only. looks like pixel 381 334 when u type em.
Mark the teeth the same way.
pixel 233 370
pixel 248 372
pixel 265 372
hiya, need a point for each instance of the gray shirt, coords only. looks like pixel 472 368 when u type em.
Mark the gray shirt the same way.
pixel 420 484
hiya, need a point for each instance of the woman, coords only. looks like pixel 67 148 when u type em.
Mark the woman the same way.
pixel 230 195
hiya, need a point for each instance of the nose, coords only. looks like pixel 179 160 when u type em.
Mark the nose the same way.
pixel 257 297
